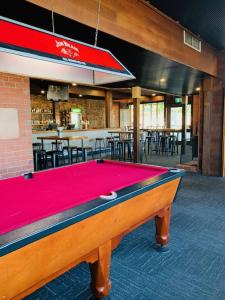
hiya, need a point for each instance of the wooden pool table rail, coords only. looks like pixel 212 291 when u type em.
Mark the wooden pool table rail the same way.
pixel 91 240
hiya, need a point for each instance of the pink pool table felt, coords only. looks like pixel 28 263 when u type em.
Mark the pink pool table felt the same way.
pixel 24 201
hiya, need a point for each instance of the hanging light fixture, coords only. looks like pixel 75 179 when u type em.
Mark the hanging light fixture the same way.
pixel 33 52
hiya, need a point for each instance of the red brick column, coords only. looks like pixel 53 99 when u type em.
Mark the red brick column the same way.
pixel 16 154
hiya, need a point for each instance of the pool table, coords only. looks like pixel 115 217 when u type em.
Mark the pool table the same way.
pixel 52 220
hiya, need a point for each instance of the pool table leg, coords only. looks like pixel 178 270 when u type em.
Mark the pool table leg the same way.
pixel 100 269
pixel 162 224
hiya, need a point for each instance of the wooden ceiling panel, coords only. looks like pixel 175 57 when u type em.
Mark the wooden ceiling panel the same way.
pixel 135 22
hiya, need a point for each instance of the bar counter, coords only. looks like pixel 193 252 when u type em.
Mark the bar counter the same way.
pixel 91 135
pixel 74 130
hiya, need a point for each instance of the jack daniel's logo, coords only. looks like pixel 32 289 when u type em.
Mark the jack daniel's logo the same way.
pixel 67 49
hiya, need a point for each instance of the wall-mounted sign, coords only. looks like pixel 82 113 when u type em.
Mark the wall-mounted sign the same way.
pixel 178 100
pixel 9 124
pixel 76 110
pixel 30 42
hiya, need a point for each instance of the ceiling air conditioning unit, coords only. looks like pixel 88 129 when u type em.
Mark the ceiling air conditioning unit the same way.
pixel 58 93
pixel 191 41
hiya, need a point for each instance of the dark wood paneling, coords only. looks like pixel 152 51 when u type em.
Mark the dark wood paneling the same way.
pixel 223 148
pixel 213 110
pixel 195 115
pixel 221 75
pixel 184 126
pixel 200 127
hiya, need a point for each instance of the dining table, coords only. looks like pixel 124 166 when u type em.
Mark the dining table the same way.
pixel 122 133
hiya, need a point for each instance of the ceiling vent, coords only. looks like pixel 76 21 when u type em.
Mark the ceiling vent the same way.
pixel 191 41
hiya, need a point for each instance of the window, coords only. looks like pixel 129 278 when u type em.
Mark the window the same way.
pixel 151 115
pixel 176 117
pixel 188 116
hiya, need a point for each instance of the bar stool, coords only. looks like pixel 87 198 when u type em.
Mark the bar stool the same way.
pixel 119 150
pixel 68 153
pixel 116 137
pixel 108 140
pixel 143 153
pixel 127 149
pixel 73 153
pixel 84 151
pixel 112 145
pixel 124 149
pixel 55 157
pixel 173 144
pixel 40 160
pixel 164 144
pixel 100 145
pixel 156 145
pixel 57 146
pixel 149 140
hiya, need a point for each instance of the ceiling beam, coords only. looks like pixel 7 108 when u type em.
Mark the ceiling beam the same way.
pixel 153 98
pixel 150 29
pixel 142 99
pixel 86 91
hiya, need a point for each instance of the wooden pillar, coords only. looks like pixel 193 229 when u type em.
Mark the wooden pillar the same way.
pixel 221 75
pixel 108 109
pixel 195 115
pixel 200 127
pixel 212 114
pixel 212 122
pixel 184 129
pixel 167 110
pixel 136 94
pixel 223 145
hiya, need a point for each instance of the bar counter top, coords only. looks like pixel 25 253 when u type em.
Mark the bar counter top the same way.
pixel 88 135
pixel 72 130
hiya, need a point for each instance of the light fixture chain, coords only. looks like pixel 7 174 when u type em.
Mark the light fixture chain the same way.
pixel 53 22
pixel 97 25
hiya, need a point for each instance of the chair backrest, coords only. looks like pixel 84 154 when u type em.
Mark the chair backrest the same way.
pixel 36 146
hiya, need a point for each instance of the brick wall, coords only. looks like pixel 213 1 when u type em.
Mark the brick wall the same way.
pixel 92 110
pixel 16 154
pixel 40 101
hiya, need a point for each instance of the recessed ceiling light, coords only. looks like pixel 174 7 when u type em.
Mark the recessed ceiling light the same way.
pixel 198 89
pixel 80 95
pixel 42 91
pixel 154 95
pixel 162 79
pixel 74 84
